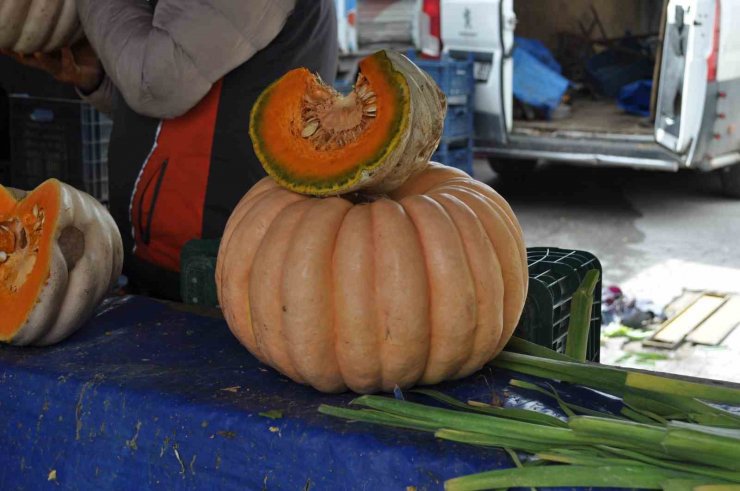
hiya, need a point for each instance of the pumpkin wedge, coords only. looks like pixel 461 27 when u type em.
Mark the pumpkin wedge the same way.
pixel 313 140
pixel 60 253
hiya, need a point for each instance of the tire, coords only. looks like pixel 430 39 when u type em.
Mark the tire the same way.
pixel 512 170
pixel 730 177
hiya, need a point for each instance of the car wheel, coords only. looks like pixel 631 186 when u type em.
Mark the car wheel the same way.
pixel 512 170
pixel 730 177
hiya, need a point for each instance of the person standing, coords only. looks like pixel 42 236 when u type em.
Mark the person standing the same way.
pixel 179 78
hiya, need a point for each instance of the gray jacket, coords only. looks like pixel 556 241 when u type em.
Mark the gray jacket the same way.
pixel 164 62
pixel 176 174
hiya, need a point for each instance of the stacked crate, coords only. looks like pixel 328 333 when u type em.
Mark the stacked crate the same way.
pixel 455 78
pixel 554 276
pixel 60 138
pixel 96 130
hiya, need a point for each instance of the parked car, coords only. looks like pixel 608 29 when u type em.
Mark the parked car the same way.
pixel 366 26
pixel 694 119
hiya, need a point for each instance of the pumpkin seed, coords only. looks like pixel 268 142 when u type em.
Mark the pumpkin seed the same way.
pixel 310 128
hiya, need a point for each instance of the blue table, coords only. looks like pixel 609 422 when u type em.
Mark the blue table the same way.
pixel 151 395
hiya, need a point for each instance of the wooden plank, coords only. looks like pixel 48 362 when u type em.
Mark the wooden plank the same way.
pixel 716 328
pixel 679 304
pixel 673 331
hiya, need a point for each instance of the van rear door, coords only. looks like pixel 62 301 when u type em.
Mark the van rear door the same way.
pixel 687 47
pixel 485 28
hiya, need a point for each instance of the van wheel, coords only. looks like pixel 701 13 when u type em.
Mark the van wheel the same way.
pixel 730 177
pixel 513 171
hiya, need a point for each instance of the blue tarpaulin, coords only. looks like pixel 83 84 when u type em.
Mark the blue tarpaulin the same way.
pixel 153 396
pixel 537 78
pixel 538 49
pixel 635 97
pixel 611 70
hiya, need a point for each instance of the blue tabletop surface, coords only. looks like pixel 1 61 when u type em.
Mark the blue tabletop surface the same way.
pixel 151 396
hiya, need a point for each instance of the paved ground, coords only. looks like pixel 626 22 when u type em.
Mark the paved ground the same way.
pixel 655 234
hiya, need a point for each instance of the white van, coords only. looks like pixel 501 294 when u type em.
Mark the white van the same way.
pixel 694 118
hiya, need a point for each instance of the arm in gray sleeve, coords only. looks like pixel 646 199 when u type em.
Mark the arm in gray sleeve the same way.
pixel 164 62
pixel 101 98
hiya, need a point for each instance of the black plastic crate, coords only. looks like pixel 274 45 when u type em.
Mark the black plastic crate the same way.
pixel 65 139
pixel 4 173
pixel 45 141
pixel 554 276
pixel 96 131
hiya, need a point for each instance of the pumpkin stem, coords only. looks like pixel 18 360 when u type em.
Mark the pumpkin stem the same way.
pixel 362 198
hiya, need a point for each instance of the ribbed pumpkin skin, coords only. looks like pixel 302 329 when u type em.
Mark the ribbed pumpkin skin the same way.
pixel 28 26
pixel 423 286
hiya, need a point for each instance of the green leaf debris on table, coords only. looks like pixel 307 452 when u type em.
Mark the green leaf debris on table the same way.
pixel 273 414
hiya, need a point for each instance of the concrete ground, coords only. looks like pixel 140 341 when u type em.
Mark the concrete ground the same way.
pixel 655 234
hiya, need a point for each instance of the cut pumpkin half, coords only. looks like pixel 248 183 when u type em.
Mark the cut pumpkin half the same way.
pixel 313 140
pixel 60 252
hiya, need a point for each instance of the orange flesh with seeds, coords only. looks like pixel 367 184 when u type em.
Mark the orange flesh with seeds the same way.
pixel 277 124
pixel 27 260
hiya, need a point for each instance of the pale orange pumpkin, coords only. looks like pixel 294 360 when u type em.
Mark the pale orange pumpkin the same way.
pixel 423 285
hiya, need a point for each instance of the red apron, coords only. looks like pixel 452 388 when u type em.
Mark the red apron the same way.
pixel 166 208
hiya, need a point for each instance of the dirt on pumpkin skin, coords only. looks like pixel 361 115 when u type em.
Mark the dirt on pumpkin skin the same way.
pixel 72 244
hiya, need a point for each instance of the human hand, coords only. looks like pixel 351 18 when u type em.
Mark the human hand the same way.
pixel 78 65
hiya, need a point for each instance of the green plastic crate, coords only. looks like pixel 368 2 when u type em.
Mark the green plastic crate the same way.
pixel 554 275
pixel 198 272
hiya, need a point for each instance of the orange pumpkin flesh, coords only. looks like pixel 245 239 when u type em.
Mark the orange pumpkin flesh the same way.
pixel 60 252
pixel 313 140
pixel 26 235
pixel 301 159
pixel 421 286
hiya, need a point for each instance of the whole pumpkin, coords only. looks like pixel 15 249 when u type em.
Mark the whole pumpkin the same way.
pixel 60 253
pixel 28 26
pixel 419 286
